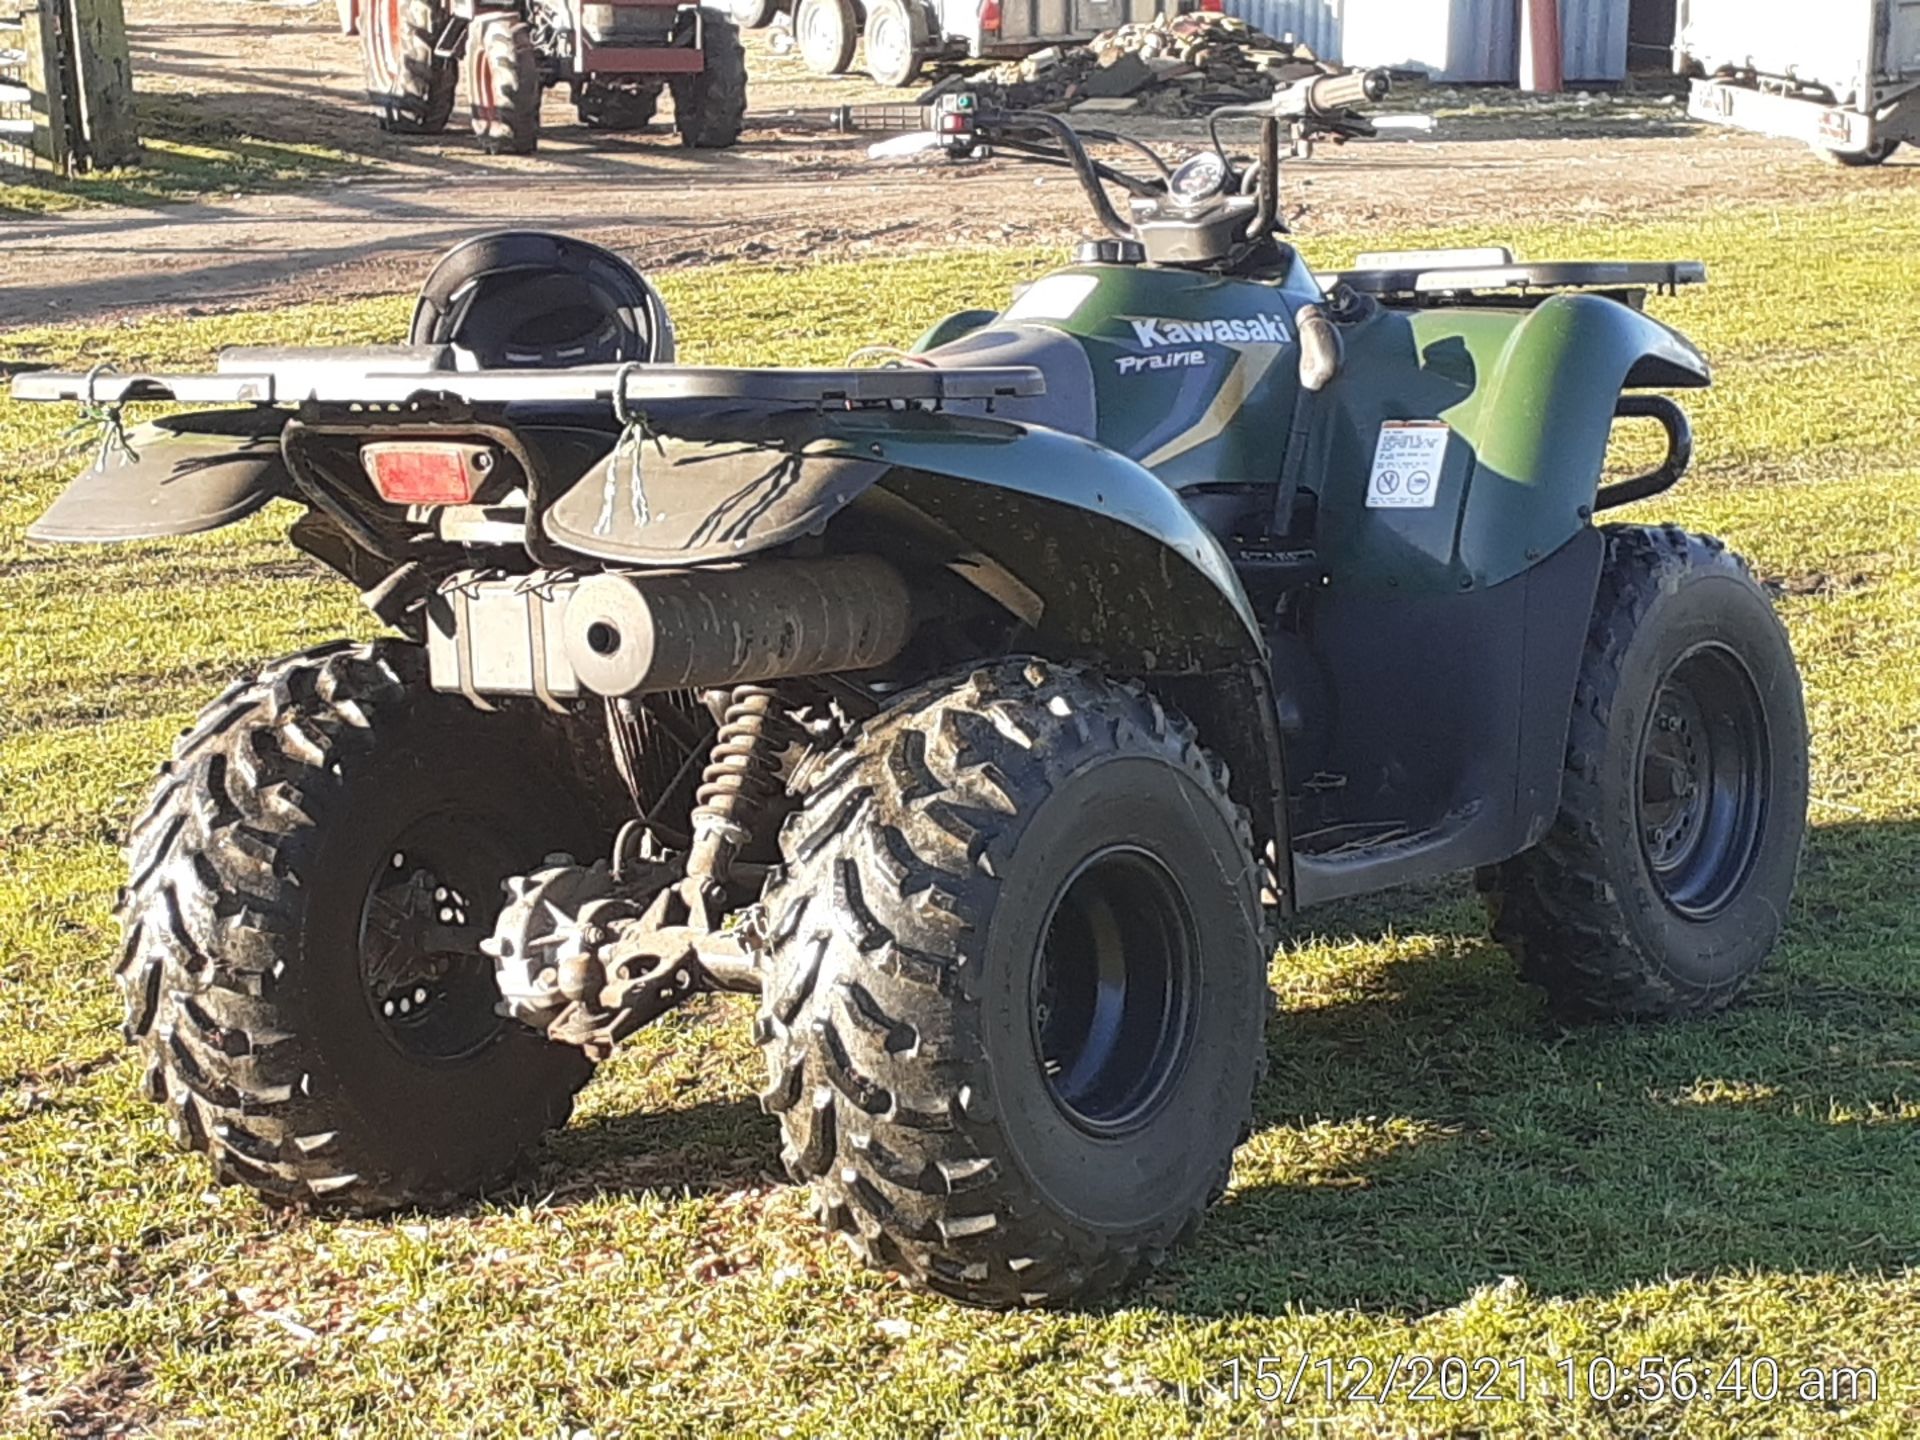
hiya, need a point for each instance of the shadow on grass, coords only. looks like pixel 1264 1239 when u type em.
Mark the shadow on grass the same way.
pixel 1591 1160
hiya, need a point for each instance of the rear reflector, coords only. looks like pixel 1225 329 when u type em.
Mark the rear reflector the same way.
pixel 410 473
pixel 990 16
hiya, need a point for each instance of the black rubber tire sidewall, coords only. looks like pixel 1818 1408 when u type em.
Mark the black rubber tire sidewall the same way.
pixel 1140 1180
pixel 1708 608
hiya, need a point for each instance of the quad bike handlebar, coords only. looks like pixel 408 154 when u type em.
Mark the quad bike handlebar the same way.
pixel 1200 194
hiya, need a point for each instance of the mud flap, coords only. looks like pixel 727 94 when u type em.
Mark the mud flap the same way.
pixel 185 474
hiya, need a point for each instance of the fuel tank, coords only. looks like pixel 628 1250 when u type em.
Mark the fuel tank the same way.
pixel 1193 376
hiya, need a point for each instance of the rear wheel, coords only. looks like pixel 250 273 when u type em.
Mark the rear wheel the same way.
pixel 1665 882
pixel 708 108
pixel 617 105
pixel 1014 1000
pixel 503 85
pixel 896 40
pixel 308 885
pixel 826 31
pixel 410 88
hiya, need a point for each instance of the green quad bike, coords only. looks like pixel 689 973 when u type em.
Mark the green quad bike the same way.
pixel 984 713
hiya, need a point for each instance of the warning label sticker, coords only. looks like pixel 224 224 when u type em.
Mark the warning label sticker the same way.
pixel 1406 465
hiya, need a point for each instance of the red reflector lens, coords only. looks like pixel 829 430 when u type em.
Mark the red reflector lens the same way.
pixel 990 16
pixel 420 474
pixel 1213 7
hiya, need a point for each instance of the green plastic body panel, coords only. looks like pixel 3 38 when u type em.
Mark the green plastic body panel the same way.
pixel 1134 572
pixel 1530 395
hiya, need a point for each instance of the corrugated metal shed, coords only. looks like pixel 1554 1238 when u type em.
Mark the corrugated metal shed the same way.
pixel 1593 40
pixel 1314 23
pixel 1458 41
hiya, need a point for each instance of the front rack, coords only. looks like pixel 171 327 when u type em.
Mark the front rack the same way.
pixel 404 374
pixel 1417 277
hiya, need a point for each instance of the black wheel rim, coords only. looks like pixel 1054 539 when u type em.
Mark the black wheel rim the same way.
pixel 1113 988
pixel 427 908
pixel 1704 771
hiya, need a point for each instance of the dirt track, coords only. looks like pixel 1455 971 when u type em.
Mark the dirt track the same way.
pixel 790 190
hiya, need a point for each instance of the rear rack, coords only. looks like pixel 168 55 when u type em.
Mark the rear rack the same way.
pixel 403 374
pixel 1439 277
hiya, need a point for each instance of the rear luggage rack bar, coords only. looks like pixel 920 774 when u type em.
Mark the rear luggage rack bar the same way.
pixel 290 377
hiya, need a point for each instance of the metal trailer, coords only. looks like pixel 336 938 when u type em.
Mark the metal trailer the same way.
pixel 1846 80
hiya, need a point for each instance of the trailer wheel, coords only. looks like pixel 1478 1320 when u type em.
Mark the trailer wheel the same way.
pixel 708 108
pixel 410 88
pixel 1015 991
pixel 306 888
pixel 1664 884
pixel 503 85
pixel 617 105
pixel 825 31
pixel 896 40
pixel 1877 153
pixel 753 14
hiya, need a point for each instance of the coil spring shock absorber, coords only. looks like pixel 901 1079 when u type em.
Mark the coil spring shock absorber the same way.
pixel 742 774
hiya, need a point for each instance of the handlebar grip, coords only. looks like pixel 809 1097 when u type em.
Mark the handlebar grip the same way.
pixel 883 117
pixel 1332 93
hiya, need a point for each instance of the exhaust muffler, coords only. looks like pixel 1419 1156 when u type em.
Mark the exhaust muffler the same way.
pixel 638 634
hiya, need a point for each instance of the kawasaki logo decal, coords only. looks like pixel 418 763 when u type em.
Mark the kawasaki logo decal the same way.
pixel 1258 330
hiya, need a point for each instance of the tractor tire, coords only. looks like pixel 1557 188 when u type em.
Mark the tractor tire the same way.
pixel 1015 989
pixel 503 86
pixel 1665 881
pixel 319 827
pixel 753 14
pixel 896 41
pixel 614 106
pixel 708 108
pixel 825 32
pixel 410 88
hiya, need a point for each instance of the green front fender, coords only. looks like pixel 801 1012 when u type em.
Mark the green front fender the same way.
pixel 1124 572
pixel 1541 419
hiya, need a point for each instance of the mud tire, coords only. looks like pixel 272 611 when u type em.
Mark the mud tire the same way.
pixel 898 1020
pixel 410 89
pixel 1587 912
pixel 241 965
pixel 503 86
pixel 709 108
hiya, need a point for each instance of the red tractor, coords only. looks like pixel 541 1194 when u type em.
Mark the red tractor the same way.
pixel 615 57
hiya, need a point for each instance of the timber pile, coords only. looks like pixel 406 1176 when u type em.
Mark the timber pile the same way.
pixel 1172 65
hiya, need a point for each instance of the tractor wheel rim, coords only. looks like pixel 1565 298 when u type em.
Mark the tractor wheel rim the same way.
pixel 822 34
pixel 885 39
pixel 1113 992
pixel 1704 775
pixel 427 907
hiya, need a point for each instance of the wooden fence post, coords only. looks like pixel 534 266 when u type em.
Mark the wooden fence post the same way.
pixel 98 38
pixel 46 85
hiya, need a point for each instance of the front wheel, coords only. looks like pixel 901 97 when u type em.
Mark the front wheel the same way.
pixel 1664 884
pixel 753 14
pixel 709 108
pixel 307 889
pixel 1878 153
pixel 503 85
pixel 1015 990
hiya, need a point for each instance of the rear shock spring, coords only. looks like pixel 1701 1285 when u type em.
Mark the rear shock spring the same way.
pixel 742 774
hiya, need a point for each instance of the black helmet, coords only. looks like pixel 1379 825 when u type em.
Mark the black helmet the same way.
pixel 527 299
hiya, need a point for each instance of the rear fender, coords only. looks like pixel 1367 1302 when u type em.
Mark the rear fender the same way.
pixel 185 474
pixel 1107 564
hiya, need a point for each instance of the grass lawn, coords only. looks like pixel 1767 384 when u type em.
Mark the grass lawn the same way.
pixel 182 157
pixel 1436 1167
